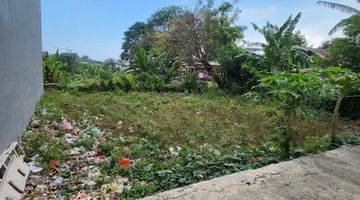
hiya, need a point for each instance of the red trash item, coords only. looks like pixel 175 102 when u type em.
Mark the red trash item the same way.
pixel 124 162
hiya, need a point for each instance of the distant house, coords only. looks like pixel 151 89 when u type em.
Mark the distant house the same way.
pixel 313 51
pixel 318 51
pixel 199 68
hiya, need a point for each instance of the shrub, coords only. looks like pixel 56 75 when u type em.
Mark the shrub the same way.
pixel 316 144
pixel 191 83
pixel 235 74
pixel 151 82
pixel 293 91
pixel 125 81
pixel 139 190
pixel 52 68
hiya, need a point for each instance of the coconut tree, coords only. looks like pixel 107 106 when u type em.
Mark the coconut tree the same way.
pixel 343 8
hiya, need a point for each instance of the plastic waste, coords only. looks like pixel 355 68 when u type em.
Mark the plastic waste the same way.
pixel 95 131
pixel 216 152
pixel 69 138
pixel 119 125
pixel 58 181
pixel 66 125
pixel 77 150
pixel 173 152
pixel 35 167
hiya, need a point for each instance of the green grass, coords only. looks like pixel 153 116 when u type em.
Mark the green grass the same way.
pixel 214 134
pixel 181 119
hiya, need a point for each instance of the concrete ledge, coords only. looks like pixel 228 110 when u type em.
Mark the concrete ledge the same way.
pixel 331 175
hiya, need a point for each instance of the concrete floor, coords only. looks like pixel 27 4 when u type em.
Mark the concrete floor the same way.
pixel 331 175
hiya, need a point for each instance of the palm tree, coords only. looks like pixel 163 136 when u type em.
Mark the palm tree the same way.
pixel 342 8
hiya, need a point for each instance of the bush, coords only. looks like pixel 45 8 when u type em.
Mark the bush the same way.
pixel 139 190
pixel 235 74
pixel 52 68
pixel 151 82
pixel 350 107
pixel 316 144
pixel 125 81
pixel 191 83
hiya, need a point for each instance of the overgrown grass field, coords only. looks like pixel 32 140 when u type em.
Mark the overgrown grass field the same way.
pixel 171 139
pixel 182 119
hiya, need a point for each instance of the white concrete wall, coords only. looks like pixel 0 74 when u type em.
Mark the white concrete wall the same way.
pixel 21 82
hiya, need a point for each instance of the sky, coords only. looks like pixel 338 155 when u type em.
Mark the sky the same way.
pixel 96 27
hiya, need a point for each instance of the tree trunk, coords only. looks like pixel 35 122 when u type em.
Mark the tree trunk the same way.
pixel 288 135
pixel 335 119
pixel 210 70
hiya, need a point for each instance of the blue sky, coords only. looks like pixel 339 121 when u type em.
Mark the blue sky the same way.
pixel 95 27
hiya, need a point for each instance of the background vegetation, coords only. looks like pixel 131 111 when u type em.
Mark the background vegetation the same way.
pixel 268 102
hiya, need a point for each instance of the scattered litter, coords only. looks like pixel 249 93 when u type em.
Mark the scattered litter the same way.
pixel 57 194
pixel 173 151
pixel 100 159
pixel 58 181
pixel 119 125
pixel 35 167
pixel 69 138
pixel 124 162
pixel 216 152
pixel 53 163
pixel 66 125
pixel 35 158
pixel 77 150
pixel 78 176
pixel 35 123
pixel 95 131
pixel 93 172
pixel 90 183
pixel 121 180
pixel 122 139
pixel 43 111
pixel 204 146
pixel 131 130
pixel 253 159
pixel 41 187
pixel 76 131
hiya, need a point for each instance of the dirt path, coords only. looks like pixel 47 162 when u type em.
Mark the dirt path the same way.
pixel 331 175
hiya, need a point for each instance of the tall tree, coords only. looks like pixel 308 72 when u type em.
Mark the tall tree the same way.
pixel 150 34
pixel 161 19
pixel 343 8
pixel 133 38
pixel 70 59
pixel 199 35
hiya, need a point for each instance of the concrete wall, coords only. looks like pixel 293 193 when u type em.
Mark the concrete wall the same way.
pixel 20 66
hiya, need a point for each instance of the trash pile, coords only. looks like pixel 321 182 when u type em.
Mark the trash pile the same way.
pixel 78 176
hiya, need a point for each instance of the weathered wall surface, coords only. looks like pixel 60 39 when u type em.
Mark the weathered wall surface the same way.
pixel 20 66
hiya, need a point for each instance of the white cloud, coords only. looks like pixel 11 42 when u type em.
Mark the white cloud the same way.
pixel 316 31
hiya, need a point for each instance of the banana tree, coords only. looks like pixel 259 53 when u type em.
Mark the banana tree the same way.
pixel 284 49
pixel 160 65
pixel 52 66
